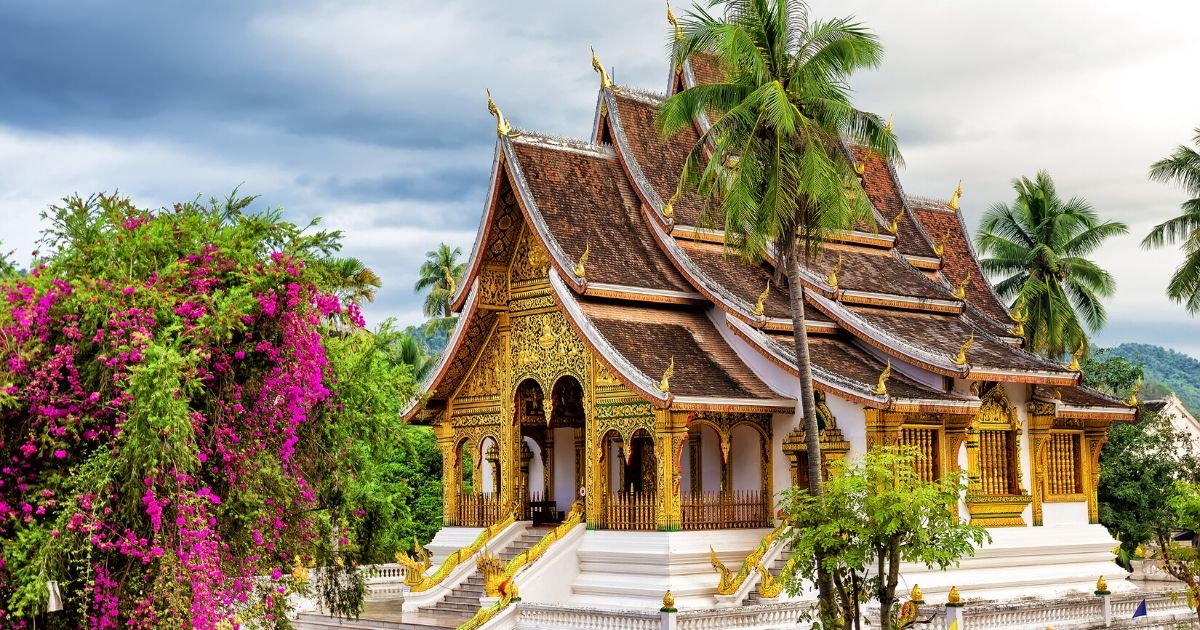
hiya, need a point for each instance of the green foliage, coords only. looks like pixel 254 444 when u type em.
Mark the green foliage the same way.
pixel 1139 469
pixel 440 274
pixel 7 268
pixel 876 513
pixel 1111 373
pixel 1182 168
pixel 1037 247
pixel 1183 563
pixel 431 339
pixel 1165 371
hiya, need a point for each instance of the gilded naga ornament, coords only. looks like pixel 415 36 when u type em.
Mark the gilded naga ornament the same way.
pixel 502 126
pixel 1020 317
pixel 726 585
pixel 760 307
pixel 581 266
pixel 1075 356
pixel 769 586
pixel 605 82
pixel 939 248
pixel 961 292
pixel 881 386
pixel 860 168
pixel 1133 399
pixel 832 280
pixel 956 196
pixel 889 127
pixel 668 210
pixel 674 23
pixel 664 385
pixel 894 226
pixel 961 358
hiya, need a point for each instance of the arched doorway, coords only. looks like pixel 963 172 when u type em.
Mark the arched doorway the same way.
pixel 632 476
pixel 564 446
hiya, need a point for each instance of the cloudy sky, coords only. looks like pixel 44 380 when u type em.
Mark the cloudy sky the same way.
pixel 371 114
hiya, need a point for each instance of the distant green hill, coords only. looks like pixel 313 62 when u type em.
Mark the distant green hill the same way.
pixel 1166 371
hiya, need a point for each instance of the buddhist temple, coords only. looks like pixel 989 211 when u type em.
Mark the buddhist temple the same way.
pixel 615 367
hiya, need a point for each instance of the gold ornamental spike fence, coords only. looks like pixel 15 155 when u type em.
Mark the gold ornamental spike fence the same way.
pixel 478 510
pixel 740 509
pixel 630 511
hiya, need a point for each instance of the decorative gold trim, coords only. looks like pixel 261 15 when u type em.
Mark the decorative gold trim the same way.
pixel 760 306
pixel 502 126
pixel 881 386
pixel 956 196
pixel 939 248
pixel 605 82
pixel 678 33
pixel 961 292
pixel 889 127
pixel 832 281
pixel 731 582
pixel 664 385
pixel 961 358
pixel 894 226
pixel 581 266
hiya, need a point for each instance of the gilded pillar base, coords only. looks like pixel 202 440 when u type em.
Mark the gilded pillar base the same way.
pixel 998 511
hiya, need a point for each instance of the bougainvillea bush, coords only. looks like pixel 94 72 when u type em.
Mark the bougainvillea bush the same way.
pixel 190 412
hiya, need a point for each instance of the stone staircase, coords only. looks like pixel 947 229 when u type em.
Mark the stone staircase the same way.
pixel 754 597
pixel 463 601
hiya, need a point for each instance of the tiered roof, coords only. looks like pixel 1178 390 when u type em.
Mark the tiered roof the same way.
pixel 659 285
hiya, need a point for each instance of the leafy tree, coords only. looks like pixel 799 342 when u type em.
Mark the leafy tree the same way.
pixel 1111 373
pixel 182 411
pixel 771 168
pixel 1037 245
pixel 440 274
pixel 408 351
pixel 1183 168
pixel 1139 470
pixel 7 268
pixel 1183 563
pixel 349 278
pixel 1167 371
pixel 875 514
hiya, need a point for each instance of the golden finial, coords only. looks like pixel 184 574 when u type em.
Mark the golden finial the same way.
pixel 881 386
pixel 674 23
pixel 954 198
pixel 888 128
pixel 669 209
pixel 940 248
pixel 605 82
pixel 832 281
pixel 1018 330
pixel 954 597
pixel 860 168
pixel 1074 367
pixel 1019 315
pixel 1133 399
pixel 894 226
pixel 961 292
pixel 915 594
pixel 664 385
pixel 668 602
pixel 961 357
pixel 760 307
pixel 1101 585
pixel 502 126
pixel 580 267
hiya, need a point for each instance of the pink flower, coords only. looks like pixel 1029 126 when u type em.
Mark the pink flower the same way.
pixel 60 454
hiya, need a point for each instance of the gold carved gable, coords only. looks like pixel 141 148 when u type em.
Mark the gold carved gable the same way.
pixel 506 226
pixel 996 411
pixel 530 263
pixel 545 347
pixel 486 378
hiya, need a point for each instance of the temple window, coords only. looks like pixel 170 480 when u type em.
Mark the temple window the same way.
pixel 1064 474
pixel 998 462
pixel 927 441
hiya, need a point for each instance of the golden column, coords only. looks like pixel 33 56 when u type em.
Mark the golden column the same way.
pixel 594 470
pixel 670 431
pixel 974 469
pixel 451 474
pixel 1094 438
pixel 1041 419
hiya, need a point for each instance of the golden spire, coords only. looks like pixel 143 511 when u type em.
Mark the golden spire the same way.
pixel 961 292
pixel 664 385
pixel 954 198
pixel 832 281
pixel 605 82
pixel 915 594
pixel 954 597
pixel 888 128
pixel 1019 315
pixel 940 247
pixel 674 23
pixel 502 126
pixel 580 267
pixel 881 386
pixel 1101 585
pixel 894 226
pixel 668 598
pixel 1133 399
pixel 669 209
pixel 1074 367
pixel 961 357
pixel 760 307
pixel 860 168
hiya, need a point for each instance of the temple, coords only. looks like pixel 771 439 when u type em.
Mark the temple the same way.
pixel 614 364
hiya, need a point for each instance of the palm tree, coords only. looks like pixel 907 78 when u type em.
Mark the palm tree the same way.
pixel 349 278
pixel 440 274
pixel 772 167
pixel 1183 168
pixel 409 352
pixel 1037 245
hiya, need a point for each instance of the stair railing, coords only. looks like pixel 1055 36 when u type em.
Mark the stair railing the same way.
pixel 416 579
pixel 731 582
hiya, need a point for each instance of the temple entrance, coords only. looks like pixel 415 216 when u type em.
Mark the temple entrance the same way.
pixel 564 444
pixel 631 495
pixel 724 478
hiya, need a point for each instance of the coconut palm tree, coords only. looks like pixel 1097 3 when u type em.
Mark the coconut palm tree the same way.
pixel 440 274
pixel 349 278
pixel 772 168
pixel 1037 247
pixel 1183 168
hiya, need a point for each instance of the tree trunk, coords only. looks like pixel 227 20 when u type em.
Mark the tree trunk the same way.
pixel 887 595
pixel 808 407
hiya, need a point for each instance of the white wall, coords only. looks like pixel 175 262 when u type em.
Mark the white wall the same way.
pixel 565 491
pixel 744 456
pixel 710 460
pixel 486 485
pixel 537 472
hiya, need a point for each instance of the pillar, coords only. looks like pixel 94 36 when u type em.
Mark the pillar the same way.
pixel 1041 419
pixel 670 432
pixel 451 474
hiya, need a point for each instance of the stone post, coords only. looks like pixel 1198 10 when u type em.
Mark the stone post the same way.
pixel 1106 600
pixel 954 610
pixel 668 614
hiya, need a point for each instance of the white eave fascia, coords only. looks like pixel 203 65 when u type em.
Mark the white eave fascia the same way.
pixel 662 293
pixel 903 299
pixel 1126 411
pixel 780 403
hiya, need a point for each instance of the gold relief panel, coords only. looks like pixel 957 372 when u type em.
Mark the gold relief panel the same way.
pixel 623 410
pixel 541 301
pixel 493 287
pixel 996 410
pixel 531 263
pixel 487 376
pixel 545 346
pixel 485 419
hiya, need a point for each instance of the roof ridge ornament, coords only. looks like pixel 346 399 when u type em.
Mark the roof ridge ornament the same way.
pixel 760 307
pixel 581 266
pixel 881 386
pixel 668 210
pixel 1020 317
pixel 832 280
pixel 960 359
pixel 894 226
pixel 955 197
pixel 889 127
pixel 1133 399
pixel 674 23
pixel 605 81
pixel 961 292
pixel 860 168
pixel 664 385
pixel 940 247
pixel 502 126
pixel 1075 356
